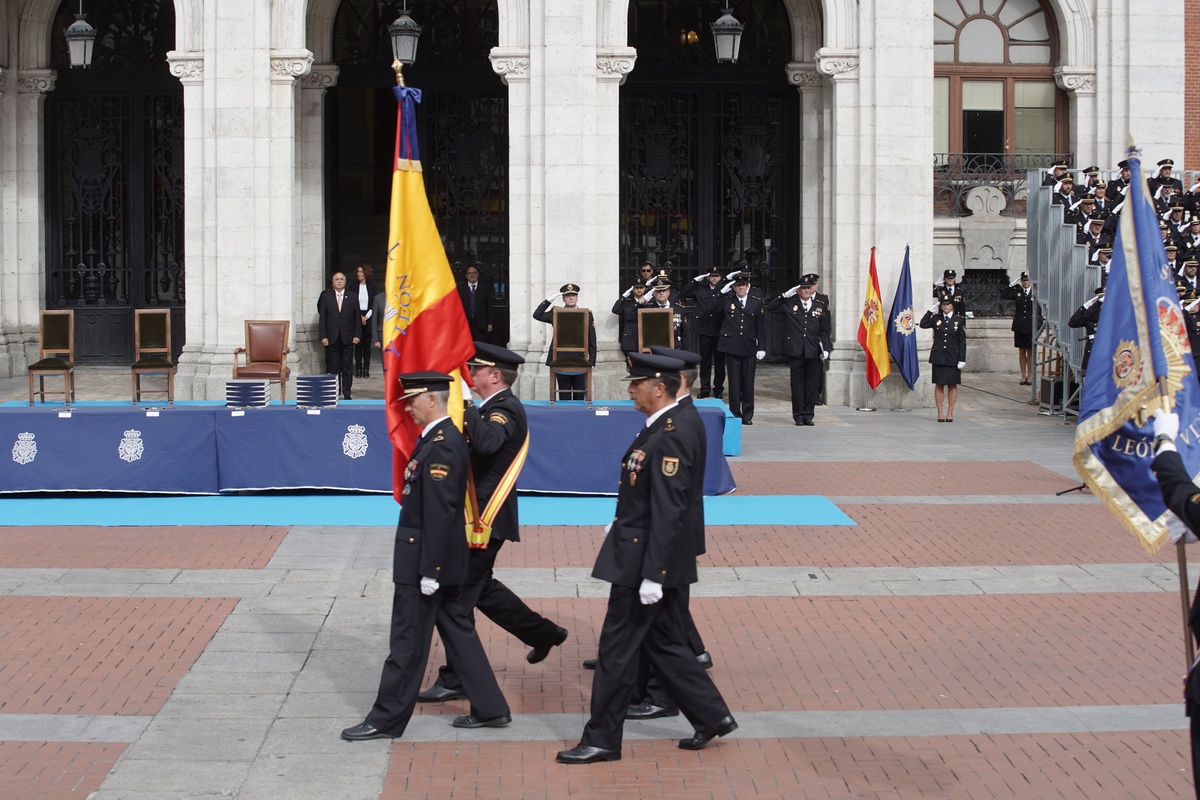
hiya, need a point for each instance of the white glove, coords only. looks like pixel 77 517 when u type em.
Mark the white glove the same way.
pixel 1091 302
pixel 962 364
pixel 650 592
pixel 466 391
pixel 553 297
pixel 824 355
pixel 1192 306
pixel 733 274
pixel 701 277
pixel 791 292
pixel 1194 187
pixel 627 292
pixel 429 586
pixel 725 289
pixel 1166 424
pixel 1016 280
pixel 760 355
pixel 1177 531
pixel 934 308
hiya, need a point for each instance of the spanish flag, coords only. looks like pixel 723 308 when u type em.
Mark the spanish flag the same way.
pixel 424 326
pixel 872 331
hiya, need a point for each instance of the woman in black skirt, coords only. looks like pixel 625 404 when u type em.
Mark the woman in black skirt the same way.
pixel 1021 293
pixel 948 354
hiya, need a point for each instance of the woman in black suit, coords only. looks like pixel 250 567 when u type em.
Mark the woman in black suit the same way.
pixel 366 292
pixel 948 353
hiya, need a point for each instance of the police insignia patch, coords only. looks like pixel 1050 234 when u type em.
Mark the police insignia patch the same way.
pixel 670 466
pixel 496 416
pixel 438 471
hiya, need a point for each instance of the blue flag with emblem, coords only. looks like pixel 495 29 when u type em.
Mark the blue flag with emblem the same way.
pixel 902 344
pixel 1140 362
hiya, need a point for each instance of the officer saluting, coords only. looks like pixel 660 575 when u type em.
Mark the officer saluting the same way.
pixel 806 344
pixel 647 556
pixel 741 342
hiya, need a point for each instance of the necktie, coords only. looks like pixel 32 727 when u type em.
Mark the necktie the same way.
pixel 472 300
pixel 339 299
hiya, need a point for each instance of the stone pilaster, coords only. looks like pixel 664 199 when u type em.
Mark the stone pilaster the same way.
pixel 1080 86
pixel 310 230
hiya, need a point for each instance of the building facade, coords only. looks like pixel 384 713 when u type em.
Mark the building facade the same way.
pixel 222 158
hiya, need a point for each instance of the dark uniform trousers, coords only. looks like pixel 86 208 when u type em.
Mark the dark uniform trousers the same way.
pixel 741 371
pixel 712 363
pixel 629 628
pixel 805 374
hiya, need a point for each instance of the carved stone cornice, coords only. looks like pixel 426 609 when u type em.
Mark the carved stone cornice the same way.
pixel 36 81
pixel 1075 79
pixel 321 76
pixel 805 76
pixel 187 66
pixel 838 64
pixel 614 64
pixel 288 65
pixel 511 64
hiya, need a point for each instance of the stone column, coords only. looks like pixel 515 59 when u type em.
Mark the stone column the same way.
pixel 310 241
pixel 22 286
pixel 811 85
pixel 11 352
pixel 1080 86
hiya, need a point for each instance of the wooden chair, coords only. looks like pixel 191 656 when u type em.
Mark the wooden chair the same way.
pixel 570 348
pixel 266 353
pixel 152 352
pixel 56 355
pixel 656 326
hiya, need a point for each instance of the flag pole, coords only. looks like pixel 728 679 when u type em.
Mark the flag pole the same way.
pixel 1189 642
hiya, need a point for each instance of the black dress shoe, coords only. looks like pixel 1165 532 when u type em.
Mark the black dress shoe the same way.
pixel 702 737
pixel 538 654
pixel 440 694
pixel 646 710
pixel 705 660
pixel 365 732
pixel 589 663
pixel 704 394
pixel 468 721
pixel 809 423
pixel 586 754
pixel 746 421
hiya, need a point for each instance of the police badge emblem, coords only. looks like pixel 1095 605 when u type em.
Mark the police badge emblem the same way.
pixel 24 449
pixel 354 443
pixel 670 466
pixel 131 447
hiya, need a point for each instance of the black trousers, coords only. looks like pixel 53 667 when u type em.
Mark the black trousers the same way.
pixel 712 366
pixel 339 360
pixel 650 688
pixel 741 385
pixel 805 376
pixel 571 387
pixel 628 627
pixel 362 350
pixel 499 604
pixel 414 616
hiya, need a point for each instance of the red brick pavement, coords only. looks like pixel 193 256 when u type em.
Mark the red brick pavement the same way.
pixel 100 655
pixel 842 478
pixel 54 770
pixel 246 547
pixel 886 536
pixel 884 653
pixel 1099 766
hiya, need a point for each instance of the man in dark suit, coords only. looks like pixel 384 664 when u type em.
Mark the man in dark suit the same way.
pixel 706 289
pixel 429 568
pixel 806 343
pixel 741 342
pixel 477 303
pixel 648 554
pixel 498 438
pixel 571 385
pixel 338 327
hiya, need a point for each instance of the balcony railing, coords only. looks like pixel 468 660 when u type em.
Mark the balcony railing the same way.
pixel 956 174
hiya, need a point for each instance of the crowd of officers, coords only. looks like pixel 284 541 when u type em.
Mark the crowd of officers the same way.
pixel 1094 206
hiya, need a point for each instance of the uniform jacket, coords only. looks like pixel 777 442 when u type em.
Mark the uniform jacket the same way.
pixel 688 420
pixel 806 333
pixel 960 300
pixel 1024 309
pixel 494 436
pixel 707 317
pixel 741 328
pixel 482 317
pixel 650 536
pixel 1183 497
pixel 949 338
pixel 431 539
pixel 544 313
pixel 338 326
pixel 1086 318
pixel 681 326
pixel 626 309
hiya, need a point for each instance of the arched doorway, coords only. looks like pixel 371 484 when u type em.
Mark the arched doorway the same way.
pixel 114 178
pixel 463 119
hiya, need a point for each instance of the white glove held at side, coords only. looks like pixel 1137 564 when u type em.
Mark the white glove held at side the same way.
pixel 760 355
pixel 962 364
pixel 650 592
pixel 429 586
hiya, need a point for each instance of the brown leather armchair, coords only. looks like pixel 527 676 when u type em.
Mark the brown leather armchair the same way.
pixel 266 353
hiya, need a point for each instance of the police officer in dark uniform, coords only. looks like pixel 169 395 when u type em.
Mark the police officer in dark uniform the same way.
pixel 947 353
pixel 1164 178
pixel 1056 173
pixel 429 568
pixel 571 385
pixel 806 344
pixel 497 435
pixel 1024 309
pixel 662 298
pixel 950 288
pixel 647 555
pixel 626 309
pixel 1086 317
pixel 706 290
pixel 741 338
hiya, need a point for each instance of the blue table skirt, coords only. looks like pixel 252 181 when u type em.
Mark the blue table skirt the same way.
pixel 203 449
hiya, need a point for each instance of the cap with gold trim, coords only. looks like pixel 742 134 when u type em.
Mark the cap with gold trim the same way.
pixel 491 355
pixel 415 383
pixel 643 366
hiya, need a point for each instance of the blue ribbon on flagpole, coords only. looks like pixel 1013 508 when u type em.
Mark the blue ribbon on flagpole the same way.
pixel 407 146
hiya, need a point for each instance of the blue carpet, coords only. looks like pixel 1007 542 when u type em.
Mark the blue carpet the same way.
pixel 336 510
